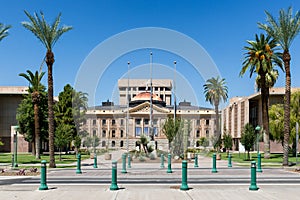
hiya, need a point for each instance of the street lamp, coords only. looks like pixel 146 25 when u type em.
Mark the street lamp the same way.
pixel 257 129
pixel 16 147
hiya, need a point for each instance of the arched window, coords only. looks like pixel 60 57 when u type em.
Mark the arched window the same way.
pixel 121 143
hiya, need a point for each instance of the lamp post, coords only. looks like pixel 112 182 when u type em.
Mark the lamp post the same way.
pixel 16 147
pixel 257 129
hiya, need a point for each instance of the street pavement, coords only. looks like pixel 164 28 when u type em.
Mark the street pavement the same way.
pixel 149 181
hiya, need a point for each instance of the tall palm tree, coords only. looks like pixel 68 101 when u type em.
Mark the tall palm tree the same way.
pixel 260 56
pixel 284 31
pixel 48 34
pixel 3 31
pixel 215 91
pixel 35 89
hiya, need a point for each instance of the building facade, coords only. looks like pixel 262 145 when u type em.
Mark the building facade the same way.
pixel 10 98
pixel 109 121
pixel 243 110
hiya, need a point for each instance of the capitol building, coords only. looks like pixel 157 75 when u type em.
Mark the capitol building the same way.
pixel 109 121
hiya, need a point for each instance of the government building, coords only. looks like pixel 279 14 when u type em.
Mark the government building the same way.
pixel 108 121
pixel 248 109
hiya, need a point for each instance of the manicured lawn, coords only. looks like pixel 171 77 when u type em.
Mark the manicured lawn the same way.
pixel 275 158
pixel 241 158
pixel 30 159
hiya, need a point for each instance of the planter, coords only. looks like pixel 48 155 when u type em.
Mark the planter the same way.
pixel 107 156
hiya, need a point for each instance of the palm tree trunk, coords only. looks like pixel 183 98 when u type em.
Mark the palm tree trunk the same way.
pixel 217 134
pixel 265 115
pixel 286 60
pixel 50 61
pixel 37 131
pixel 33 147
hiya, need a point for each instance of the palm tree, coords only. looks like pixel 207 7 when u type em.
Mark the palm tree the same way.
pixel 260 56
pixel 48 34
pixel 3 31
pixel 215 90
pixel 34 89
pixel 284 31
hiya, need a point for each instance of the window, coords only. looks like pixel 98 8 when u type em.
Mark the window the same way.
pixel 103 144
pixel 138 121
pixel 103 121
pixel 94 122
pixel 146 121
pixel 104 134
pixel 198 133
pixel 146 129
pixel 155 122
pixel 207 122
pixel 121 143
pixel 94 133
pixel 155 132
pixel 138 131
pixel 207 133
pixel 122 122
pixel 113 144
pixel 113 133
pixel 113 122
pixel 122 133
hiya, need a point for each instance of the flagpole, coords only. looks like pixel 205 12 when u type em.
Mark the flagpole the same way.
pixel 151 100
pixel 174 90
pixel 127 117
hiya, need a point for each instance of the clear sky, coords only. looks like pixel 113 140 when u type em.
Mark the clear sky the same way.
pixel 220 27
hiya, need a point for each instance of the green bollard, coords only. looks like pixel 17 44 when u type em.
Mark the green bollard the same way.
pixel 43 185
pixel 196 161
pixel 95 160
pixel 214 169
pixel 169 164
pixel 229 160
pixel 253 185
pixel 259 163
pixel 124 164
pixel 129 161
pixel 78 170
pixel 184 185
pixel 162 161
pixel 114 185
pixel 12 160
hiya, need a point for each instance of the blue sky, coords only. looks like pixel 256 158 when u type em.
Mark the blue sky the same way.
pixel 220 27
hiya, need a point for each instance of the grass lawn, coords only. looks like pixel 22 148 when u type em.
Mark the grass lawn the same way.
pixel 30 159
pixel 275 159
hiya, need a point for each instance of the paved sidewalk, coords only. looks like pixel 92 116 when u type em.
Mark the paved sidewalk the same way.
pixel 229 183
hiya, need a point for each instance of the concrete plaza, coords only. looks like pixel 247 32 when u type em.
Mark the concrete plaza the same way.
pixel 148 181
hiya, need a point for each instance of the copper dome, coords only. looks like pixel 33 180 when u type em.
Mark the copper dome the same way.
pixel 146 96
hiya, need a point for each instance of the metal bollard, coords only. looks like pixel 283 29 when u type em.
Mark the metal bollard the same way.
pixel 162 161
pixel 214 168
pixel 78 170
pixel 196 160
pixel 229 160
pixel 124 164
pixel 95 160
pixel 253 185
pixel 259 163
pixel 184 185
pixel 169 164
pixel 129 161
pixel 43 185
pixel 12 160
pixel 114 185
